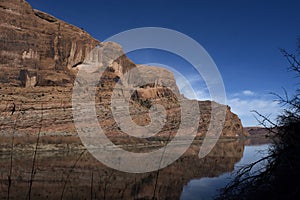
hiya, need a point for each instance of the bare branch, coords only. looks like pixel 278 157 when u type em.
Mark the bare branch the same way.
pixel 292 60
pixel 265 119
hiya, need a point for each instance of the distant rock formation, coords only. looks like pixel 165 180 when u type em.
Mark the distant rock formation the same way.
pixel 40 56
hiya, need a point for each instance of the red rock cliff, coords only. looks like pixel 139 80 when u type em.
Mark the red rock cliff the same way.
pixel 39 59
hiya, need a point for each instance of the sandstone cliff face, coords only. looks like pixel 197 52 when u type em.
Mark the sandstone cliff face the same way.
pixel 40 56
pixel 39 43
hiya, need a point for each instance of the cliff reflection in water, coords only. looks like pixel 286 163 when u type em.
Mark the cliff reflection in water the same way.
pixel 77 175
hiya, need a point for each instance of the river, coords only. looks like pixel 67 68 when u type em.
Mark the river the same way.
pixel 78 175
pixel 209 188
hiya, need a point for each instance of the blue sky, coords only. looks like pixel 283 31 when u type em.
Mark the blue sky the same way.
pixel 243 37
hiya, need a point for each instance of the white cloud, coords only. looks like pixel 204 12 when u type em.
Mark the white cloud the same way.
pixel 187 88
pixel 243 108
pixel 244 93
pixel 241 103
pixel 248 93
pixel 192 86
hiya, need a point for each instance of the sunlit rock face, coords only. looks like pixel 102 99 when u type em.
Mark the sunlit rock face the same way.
pixel 40 43
pixel 40 57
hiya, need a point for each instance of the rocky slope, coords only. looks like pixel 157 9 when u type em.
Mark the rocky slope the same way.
pixel 40 56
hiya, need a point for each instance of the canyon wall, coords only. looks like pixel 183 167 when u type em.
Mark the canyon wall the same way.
pixel 40 57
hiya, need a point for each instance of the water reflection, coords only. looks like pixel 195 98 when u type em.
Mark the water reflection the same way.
pixel 77 175
pixel 208 188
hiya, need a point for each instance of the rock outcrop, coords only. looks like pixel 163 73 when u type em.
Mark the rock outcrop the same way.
pixel 39 43
pixel 40 56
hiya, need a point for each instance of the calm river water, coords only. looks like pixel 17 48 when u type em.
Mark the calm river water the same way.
pixel 208 188
pixel 78 175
